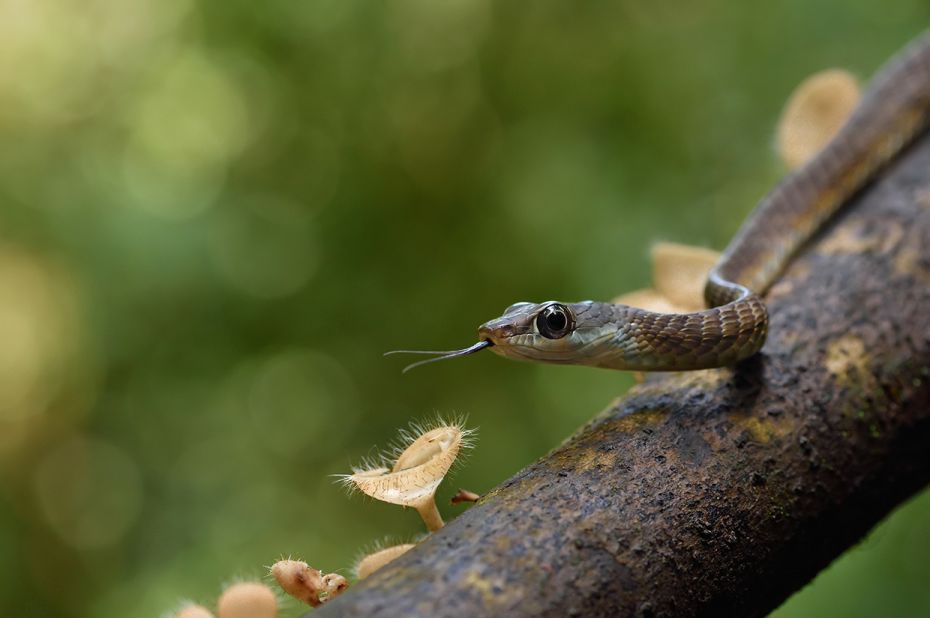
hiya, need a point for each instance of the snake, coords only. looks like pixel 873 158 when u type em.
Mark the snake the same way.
pixel 893 111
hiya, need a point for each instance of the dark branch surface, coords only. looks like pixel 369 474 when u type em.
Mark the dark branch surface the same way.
pixel 717 492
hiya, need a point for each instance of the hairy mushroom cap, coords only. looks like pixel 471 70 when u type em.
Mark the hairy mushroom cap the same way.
pixel 680 271
pixel 194 611
pixel 247 600
pixel 334 584
pixel 299 580
pixel 422 462
pixel 816 110
pixel 377 559
pixel 678 276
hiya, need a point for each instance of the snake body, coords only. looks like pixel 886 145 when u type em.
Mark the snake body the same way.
pixel 892 112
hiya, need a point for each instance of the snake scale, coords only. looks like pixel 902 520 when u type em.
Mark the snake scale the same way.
pixel 890 115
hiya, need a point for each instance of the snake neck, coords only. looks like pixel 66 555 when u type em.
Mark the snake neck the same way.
pixel 721 291
pixel 719 336
pixel 893 111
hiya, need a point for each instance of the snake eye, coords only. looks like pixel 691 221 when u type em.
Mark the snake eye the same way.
pixel 555 321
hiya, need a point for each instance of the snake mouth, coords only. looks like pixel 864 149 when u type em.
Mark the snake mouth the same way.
pixel 502 330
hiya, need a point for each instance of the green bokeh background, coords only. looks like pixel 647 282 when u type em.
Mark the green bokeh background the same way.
pixel 215 216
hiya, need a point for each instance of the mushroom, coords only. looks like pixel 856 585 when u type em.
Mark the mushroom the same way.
pixel 192 610
pixel 334 584
pixel 378 558
pixel 299 580
pixel 463 496
pixel 425 456
pixel 307 584
pixel 247 600
pixel 816 110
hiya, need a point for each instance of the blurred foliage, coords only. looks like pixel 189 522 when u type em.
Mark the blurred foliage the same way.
pixel 216 216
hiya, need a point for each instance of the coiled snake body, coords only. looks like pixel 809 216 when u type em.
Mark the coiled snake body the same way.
pixel 892 112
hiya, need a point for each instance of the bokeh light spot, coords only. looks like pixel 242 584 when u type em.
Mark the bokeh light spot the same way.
pixel 188 126
pixel 265 247
pixel 43 339
pixel 301 400
pixel 434 36
pixel 90 492
pixel 56 54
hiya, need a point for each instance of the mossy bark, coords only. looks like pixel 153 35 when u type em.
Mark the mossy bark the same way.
pixel 717 492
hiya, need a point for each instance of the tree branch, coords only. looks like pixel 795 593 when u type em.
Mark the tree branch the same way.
pixel 717 492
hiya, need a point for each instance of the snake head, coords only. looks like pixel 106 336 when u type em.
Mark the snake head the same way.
pixel 536 331
pixel 585 333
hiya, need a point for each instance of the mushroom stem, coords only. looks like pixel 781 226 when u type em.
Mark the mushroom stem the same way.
pixel 430 515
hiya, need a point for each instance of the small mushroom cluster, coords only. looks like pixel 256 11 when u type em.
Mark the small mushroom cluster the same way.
pixel 307 584
pixel 409 477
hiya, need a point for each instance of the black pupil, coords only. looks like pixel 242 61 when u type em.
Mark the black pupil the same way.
pixel 556 320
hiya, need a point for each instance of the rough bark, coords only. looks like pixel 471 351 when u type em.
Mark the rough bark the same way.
pixel 717 492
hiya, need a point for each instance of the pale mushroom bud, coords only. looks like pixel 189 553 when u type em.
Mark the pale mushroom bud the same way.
pixel 334 584
pixel 377 559
pixel 247 600
pixel 816 110
pixel 299 580
pixel 424 458
pixel 679 273
pixel 194 611
pixel 463 495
